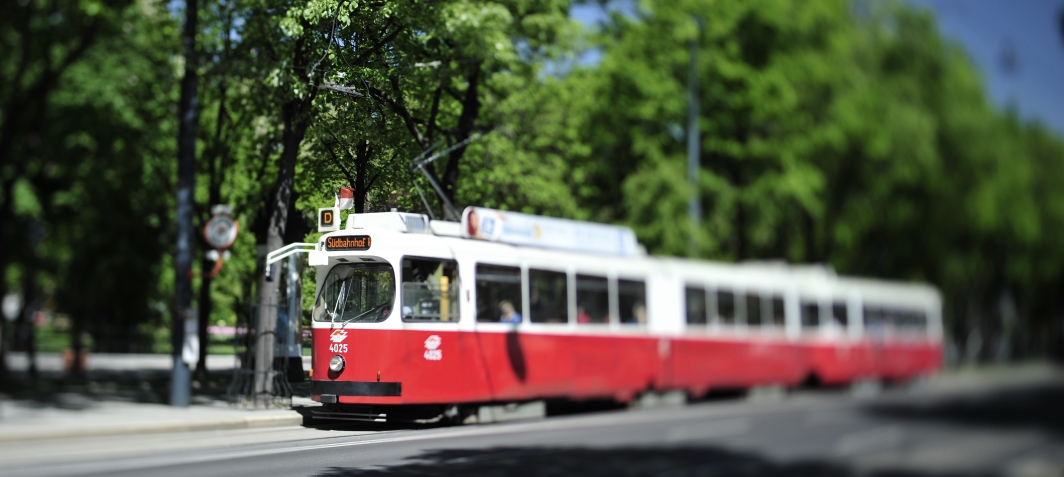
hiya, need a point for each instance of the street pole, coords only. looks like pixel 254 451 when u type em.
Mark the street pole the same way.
pixel 694 207
pixel 180 382
pixel 32 301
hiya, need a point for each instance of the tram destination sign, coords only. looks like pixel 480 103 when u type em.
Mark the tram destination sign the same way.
pixel 348 242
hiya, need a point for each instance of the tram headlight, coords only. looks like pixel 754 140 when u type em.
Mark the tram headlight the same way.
pixel 336 364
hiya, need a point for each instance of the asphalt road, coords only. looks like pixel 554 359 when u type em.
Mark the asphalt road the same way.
pixel 1015 430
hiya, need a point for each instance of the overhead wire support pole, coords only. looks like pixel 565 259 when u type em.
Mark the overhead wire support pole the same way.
pixel 420 193
pixel 439 191
pixel 417 164
pixel 424 201
pixel 694 207
pixel 183 322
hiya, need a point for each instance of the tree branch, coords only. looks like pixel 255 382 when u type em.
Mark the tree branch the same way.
pixel 346 90
pixel 434 111
pixel 339 163
pixel 401 111
pixel 389 37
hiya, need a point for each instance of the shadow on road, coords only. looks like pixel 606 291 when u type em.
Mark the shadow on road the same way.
pixel 310 422
pixel 664 462
pixel 1029 407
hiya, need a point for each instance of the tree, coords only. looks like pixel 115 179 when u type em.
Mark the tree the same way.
pixel 84 101
pixel 437 67
pixel 43 40
pixel 858 138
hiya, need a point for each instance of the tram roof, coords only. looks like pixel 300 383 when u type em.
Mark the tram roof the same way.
pixel 808 277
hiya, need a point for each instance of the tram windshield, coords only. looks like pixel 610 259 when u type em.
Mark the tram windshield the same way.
pixel 362 292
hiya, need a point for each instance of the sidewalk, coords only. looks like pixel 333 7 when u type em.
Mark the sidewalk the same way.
pixel 124 394
pixel 73 415
pixel 120 363
pixel 67 414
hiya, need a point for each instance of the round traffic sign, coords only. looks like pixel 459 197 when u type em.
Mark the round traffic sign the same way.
pixel 220 232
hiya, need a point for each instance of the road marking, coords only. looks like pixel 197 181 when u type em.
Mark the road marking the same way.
pixel 828 418
pixel 663 416
pixel 869 440
pixel 709 430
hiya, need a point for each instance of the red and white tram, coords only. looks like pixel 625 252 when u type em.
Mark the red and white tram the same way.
pixel 414 317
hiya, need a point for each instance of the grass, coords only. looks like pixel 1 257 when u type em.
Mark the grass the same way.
pixel 52 340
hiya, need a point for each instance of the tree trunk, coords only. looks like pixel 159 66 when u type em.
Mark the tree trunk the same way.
pixel 6 330
pixel 214 197
pixel 204 303
pixel 810 225
pixel 296 121
pixel 362 153
pixel 30 299
pixel 205 306
pixel 76 345
pixel 295 128
pixel 466 126
pixel 740 232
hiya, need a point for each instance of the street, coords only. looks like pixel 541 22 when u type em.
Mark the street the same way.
pixel 1014 430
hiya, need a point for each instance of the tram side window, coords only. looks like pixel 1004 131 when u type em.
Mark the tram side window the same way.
pixel 726 307
pixel 753 309
pixel 903 321
pixel 838 314
pixel 875 320
pixel 549 296
pixel 592 299
pixel 696 305
pixel 910 323
pixel 356 293
pixel 779 313
pixel 919 323
pixel 632 300
pixel 895 320
pixel 498 294
pixel 430 289
pixel 810 314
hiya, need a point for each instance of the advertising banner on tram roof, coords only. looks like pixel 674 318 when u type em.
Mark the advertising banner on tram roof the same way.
pixel 524 229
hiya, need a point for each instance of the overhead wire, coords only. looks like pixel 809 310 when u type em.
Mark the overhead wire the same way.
pixel 332 37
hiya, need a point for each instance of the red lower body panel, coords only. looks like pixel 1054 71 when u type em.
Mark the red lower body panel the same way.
pixel 425 367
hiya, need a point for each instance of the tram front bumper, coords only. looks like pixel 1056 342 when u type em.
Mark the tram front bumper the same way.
pixel 355 388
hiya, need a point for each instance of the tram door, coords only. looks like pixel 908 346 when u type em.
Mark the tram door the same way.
pixel 288 345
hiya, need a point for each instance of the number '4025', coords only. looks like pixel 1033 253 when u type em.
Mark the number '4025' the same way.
pixel 338 348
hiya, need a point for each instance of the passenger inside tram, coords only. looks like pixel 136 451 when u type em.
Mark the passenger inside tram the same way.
pixel 548 296
pixel 640 313
pixel 495 284
pixel 507 312
pixel 631 299
pixel 592 299
pixel 581 315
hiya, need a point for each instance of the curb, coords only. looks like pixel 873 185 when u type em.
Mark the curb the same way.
pixel 159 427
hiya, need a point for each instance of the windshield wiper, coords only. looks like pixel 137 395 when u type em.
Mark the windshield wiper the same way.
pixel 340 299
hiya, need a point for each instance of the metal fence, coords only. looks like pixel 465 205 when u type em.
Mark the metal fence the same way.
pixel 270 387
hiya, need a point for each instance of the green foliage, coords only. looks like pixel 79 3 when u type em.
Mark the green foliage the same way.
pixel 87 134
pixel 837 132
pixel 858 139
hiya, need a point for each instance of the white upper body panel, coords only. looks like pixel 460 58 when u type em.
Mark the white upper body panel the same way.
pixel 397 235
